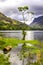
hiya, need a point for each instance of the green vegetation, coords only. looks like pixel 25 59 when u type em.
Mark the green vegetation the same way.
pixel 4 60
pixel 14 42
pixel 30 52
pixel 7 23
pixel 26 51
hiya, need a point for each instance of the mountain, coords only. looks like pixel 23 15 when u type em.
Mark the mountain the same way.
pixel 37 23
pixel 7 23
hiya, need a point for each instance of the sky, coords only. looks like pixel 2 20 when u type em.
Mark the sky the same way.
pixel 9 8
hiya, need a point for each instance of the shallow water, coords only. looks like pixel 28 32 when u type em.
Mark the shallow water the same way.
pixel 30 35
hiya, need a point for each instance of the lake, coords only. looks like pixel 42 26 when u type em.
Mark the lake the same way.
pixel 30 35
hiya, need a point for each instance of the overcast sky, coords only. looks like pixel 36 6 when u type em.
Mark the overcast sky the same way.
pixel 9 7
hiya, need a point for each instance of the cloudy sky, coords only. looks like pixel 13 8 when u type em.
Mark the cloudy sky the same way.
pixel 9 7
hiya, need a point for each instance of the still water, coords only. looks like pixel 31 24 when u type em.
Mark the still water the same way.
pixel 30 35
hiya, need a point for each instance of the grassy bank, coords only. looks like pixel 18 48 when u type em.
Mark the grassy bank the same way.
pixel 14 42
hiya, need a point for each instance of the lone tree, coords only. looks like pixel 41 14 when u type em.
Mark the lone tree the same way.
pixel 23 10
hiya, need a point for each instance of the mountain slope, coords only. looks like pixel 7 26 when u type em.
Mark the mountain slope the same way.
pixel 7 23
pixel 37 23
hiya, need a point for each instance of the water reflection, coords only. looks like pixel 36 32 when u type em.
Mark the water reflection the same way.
pixel 30 35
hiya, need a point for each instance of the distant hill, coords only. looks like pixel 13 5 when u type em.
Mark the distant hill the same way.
pixel 7 23
pixel 37 23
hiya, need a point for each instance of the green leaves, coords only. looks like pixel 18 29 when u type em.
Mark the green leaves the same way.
pixel 23 8
pixel 26 8
pixel 20 8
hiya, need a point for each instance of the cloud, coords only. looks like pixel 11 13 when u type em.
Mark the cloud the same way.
pixel 9 7
pixel 2 0
pixel 10 11
pixel 38 10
